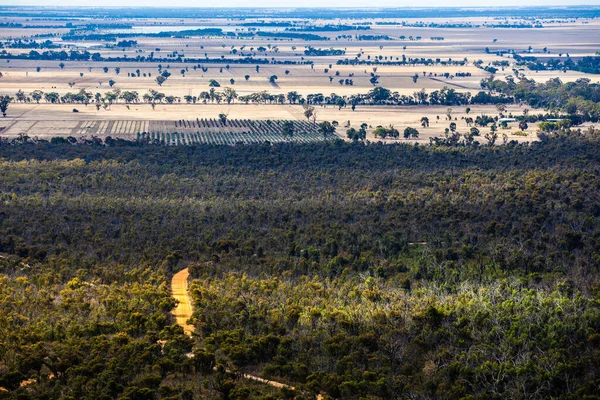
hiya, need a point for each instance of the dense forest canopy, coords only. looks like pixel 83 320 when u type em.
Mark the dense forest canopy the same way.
pixel 352 270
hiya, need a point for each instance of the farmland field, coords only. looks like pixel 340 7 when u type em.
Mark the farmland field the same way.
pixel 209 65
pixel 181 132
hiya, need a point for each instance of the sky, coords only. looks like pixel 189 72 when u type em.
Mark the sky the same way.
pixel 296 3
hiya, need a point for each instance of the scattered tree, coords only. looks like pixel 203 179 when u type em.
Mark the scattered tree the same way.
pixel 223 118
pixel 160 80
pixel 4 101
pixel 326 128
pixel 411 132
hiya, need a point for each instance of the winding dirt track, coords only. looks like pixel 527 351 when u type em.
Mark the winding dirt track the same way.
pixel 183 312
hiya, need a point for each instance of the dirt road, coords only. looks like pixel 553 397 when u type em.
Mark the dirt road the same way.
pixel 183 312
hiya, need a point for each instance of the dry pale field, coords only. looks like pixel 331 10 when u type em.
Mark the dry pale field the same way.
pixel 577 37
pixel 49 120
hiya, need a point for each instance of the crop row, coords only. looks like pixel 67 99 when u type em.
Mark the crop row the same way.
pixel 226 138
pixel 240 125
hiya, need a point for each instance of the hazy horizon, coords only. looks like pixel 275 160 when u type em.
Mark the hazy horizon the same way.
pixel 305 4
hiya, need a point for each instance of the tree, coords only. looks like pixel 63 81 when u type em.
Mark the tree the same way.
pixel 411 132
pixel 247 77
pixel 292 97
pixel 474 131
pixel 491 137
pixel 223 118
pixel 112 96
pixel 380 131
pixel 468 110
pixel 352 134
pixel 160 80
pixel 130 97
pixel 523 125
pixel 468 138
pixel 4 101
pixel 288 128
pixel 378 94
pixel 61 65
pixel 326 128
pixel 105 69
pixel 111 83
pixel 272 79
pixel 229 94
pixel 546 126
pixel 257 68
pixel 564 124
pixel 424 122
pixel 52 97
pixel 383 132
pixel 452 126
pixel 20 95
pixel 362 132
pixel 213 83
pixel 308 111
pixel 36 95
pixel 356 135
pixel 117 70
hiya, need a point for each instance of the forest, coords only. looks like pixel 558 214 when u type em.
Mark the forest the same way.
pixel 350 270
